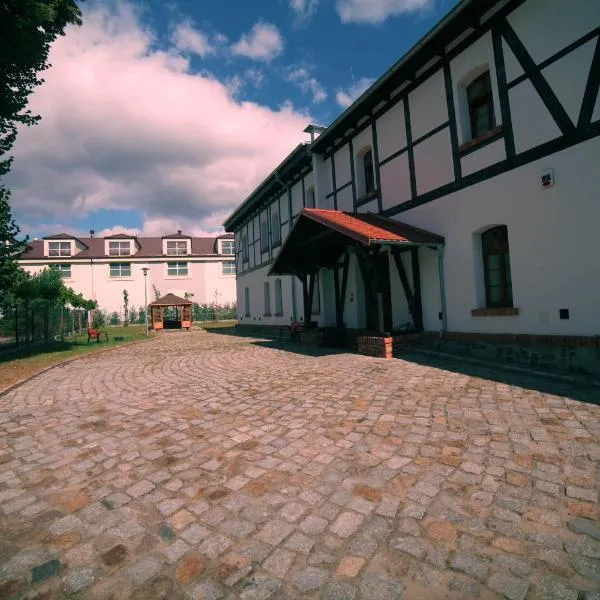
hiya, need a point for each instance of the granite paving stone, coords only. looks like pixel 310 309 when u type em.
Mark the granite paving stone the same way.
pixel 201 466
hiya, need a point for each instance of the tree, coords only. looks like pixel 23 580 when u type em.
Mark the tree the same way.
pixel 141 318
pixel 157 294
pixel 27 29
pixel 10 249
pixel 125 308
pixel 114 319
pixel 133 315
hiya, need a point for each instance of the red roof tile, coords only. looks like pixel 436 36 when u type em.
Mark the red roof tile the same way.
pixel 367 228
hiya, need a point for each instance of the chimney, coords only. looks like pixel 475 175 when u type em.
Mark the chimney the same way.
pixel 179 232
pixel 92 232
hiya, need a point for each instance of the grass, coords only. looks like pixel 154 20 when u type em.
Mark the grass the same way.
pixel 17 364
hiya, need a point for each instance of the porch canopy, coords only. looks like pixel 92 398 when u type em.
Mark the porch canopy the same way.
pixel 321 239
pixel 171 301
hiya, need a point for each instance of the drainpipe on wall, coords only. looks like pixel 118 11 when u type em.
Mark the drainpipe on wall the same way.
pixel 287 189
pixel 440 256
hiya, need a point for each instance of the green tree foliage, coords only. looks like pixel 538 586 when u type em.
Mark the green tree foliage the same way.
pixel 125 308
pixel 114 319
pixel 10 250
pixel 141 317
pixel 27 29
pixel 133 315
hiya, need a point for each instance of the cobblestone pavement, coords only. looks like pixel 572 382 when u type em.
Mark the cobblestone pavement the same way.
pixel 203 466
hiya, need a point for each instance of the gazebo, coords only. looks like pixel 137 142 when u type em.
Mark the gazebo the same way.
pixel 183 313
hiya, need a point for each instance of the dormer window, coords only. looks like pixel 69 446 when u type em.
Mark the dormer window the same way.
pixel 177 248
pixel 227 247
pixel 59 248
pixel 481 105
pixel 120 248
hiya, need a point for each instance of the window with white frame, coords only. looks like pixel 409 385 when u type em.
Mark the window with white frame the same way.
pixel 481 105
pixel 177 247
pixel 227 247
pixel 247 302
pixel 275 227
pixel 120 269
pixel 59 248
pixel 177 269
pixel 264 234
pixel 316 301
pixel 64 270
pixel 229 268
pixel 365 172
pixel 245 248
pixel 120 248
pixel 278 298
pixel 267 299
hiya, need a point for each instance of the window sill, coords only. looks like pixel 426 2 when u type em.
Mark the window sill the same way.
pixel 177 277
pixel 366 198
pixel 495 312
pixel 490 135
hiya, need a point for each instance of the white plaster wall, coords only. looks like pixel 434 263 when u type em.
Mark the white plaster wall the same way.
pixel 428 107
pixel 297 200
pixel 326 181
pixel 368 207
pixel 391 131
pixel 483 157
pixel 93 281
pixel 342 165
pixel 344 199
pixel 568 78
pixel 545 26
pixel 532 123
pixel 400 312
pixel 551 234
pixel 433 162
pixel 395 181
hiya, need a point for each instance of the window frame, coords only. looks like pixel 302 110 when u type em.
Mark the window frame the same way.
pixel 370 185
pixel 227 262
pixel 64 248
pixel 121 265
pixel 245 249
pixel 264 234
pixel 267 293
pixel 177 265
pixel 486 99
pixel 275 227
pixel 61 268
pixel 229 244
pixel 278 291
pixel 177 245
pixel 507 299
pixel 121 244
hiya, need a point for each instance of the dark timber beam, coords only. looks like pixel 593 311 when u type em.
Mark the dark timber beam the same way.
pixel 405 283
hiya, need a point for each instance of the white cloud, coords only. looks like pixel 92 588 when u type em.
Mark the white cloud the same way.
pixel 187 39
pixel 377 11
pixel 149 135
pixel 346 97
pixel 255 76
pixel 301 77
pixel 263 42
pixel 304 9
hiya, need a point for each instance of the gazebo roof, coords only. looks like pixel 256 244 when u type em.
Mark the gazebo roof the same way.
pixel 171 300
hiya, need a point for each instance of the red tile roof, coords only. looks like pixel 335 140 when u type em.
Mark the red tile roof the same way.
pixel 149 247
pixel 368 228
pixel 170 300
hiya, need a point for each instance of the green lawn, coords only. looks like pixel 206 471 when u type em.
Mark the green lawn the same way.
pixel 216 324
pixel 23 362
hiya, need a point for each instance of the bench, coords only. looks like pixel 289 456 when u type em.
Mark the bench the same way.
pixel 96 334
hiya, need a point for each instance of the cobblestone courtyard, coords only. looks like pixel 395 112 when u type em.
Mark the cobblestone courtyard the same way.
pixel 205 466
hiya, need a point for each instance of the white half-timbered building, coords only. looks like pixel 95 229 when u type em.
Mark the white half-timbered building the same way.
pixel 458 195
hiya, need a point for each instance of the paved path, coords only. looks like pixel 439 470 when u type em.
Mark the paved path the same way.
pixel 207 466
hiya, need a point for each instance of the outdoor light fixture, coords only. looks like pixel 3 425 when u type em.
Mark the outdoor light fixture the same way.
pixel 145 271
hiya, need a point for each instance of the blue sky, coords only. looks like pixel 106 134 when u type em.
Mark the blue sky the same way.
pixel 163 115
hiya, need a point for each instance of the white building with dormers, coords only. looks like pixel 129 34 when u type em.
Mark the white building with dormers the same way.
pixel 100 268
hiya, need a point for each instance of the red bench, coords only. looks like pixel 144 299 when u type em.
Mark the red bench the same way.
pixel 96 334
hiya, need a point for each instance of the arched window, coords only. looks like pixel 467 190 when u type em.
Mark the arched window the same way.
pixel 496 267
pixel 369 173
pixel 481 105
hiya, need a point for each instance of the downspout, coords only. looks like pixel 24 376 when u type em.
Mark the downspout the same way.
pixel 289 192
pixel 440 255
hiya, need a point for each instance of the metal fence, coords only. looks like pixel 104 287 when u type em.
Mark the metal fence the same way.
pixel 38 322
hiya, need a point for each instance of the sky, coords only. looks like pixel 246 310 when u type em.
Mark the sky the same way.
pixel 160 115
